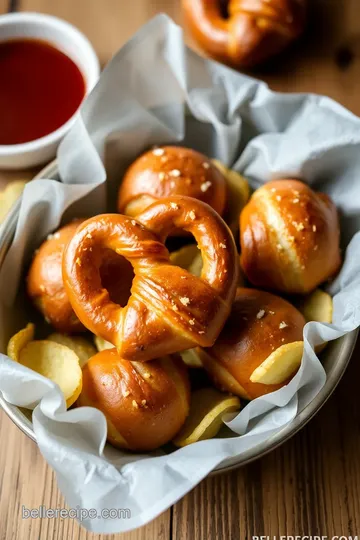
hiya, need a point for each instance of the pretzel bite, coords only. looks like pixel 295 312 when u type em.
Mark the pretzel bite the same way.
pixel 289 237
pixel 169 309
pixel 261 340
pixel 145 405
pixel 45 283
pixel 167 171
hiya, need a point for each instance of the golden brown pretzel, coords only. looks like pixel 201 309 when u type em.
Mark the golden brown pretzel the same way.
pixel 169 310
pixel 253 31
pixel 168 171
pixel 289 237
pixel 259 323
pixel 45 284
pixel 145 405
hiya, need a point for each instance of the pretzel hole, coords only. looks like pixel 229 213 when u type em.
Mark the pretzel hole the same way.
pixel 189 258
pixel 116 275
pixel 224 9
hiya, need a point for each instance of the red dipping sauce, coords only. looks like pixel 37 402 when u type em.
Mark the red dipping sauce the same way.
pixel 40 89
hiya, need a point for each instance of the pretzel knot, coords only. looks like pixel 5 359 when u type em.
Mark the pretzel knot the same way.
pixel 252 31
pixel 169 309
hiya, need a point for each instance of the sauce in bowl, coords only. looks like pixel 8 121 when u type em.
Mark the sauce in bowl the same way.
pixel 40 89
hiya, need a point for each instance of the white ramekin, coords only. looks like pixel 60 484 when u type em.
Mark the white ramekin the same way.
pixel 72 42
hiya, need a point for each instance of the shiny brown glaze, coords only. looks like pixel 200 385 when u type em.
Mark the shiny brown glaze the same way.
pixel 289 237
pixel 169 309
pixel 145 404
pixel 45 283
pixel 167 171
pixel 253 31
pixel 253 331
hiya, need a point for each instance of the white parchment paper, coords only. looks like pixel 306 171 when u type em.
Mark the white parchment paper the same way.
pixel 155 91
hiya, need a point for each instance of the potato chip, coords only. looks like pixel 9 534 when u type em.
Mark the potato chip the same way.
pixel 50 359
pixel 205 417
pixel 189 258
pixel 101 344
pixel 239 193
pixel 191 358
pixel 79 345
pixel 9 196
pixel 56 362
pixel 19 340
pixel 317 306
pixel 280 365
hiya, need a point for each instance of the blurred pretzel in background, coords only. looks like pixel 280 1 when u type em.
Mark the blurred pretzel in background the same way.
pixel 244 33
pixel 169 309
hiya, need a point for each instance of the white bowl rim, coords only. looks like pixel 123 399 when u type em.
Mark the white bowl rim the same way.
pixel 91 78
pixel 260 450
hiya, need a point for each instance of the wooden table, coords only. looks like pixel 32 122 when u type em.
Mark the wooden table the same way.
pixel 311 485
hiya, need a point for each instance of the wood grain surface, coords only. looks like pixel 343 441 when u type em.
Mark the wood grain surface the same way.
pixel 311 485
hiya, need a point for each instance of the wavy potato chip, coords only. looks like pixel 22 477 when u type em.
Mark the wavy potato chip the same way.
pixel 239 194
pixel 189 258
pixel 280 365
pixel 191 358
pixel 9 196
pixel 101 344
pixel 205 417
pixel 317 306
pixel 79 345
pixel 50 359
pixel 19 340
pixel 56 362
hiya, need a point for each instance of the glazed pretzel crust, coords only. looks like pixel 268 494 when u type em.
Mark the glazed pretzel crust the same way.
pixel 169 309
pixel 168 171
pixel 254 30
pixel 289 237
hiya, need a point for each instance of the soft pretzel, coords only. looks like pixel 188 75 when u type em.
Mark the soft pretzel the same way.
pixel 253 31
pixel 145 405
pixel 259 323
pixel 168 171
pixel 289 237
pixel 169 309
pixel 45 284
